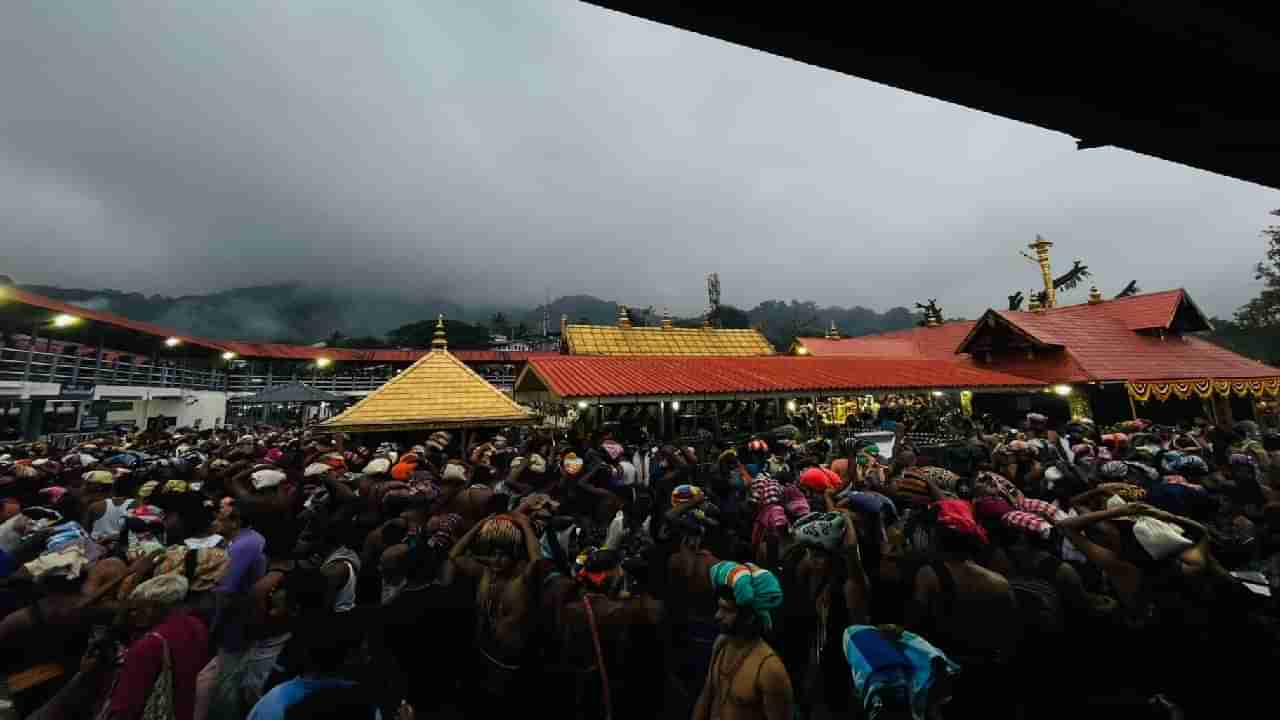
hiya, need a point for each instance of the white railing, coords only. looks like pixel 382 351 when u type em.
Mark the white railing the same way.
pixel 17 365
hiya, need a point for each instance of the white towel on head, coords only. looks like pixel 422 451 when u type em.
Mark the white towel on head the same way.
pixel 454 473
pixel 315 469
pixel 264 479
pixel 1159 538
pixel 377 466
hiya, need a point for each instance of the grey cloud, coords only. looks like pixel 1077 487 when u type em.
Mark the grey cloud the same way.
pixel 486 153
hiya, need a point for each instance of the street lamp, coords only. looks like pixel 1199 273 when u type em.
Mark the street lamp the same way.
pixel 172 342
pixel 1063 390
pixel 675 405
pixel 323 362
pixel 937 393
pixel 64 320
pixel 228 356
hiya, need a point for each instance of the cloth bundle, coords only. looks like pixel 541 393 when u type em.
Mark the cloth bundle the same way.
pixel 686 494
pixel 266 478
pixel 68 563
pixel 989 484
pixel 957 516
pixel 942 477
pixel 823 530
pixel 1159 538
pixel 794 502
pixel 501 533
pixel 210 564
pixel 754 589
pixel 765 491
pixel 377 466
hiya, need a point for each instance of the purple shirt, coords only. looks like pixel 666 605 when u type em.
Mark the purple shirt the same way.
pixel 246 565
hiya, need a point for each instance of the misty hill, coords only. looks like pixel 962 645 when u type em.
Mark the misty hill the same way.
pixel 299 314
pixel 580 309
pixel 780 321
pixel 284 313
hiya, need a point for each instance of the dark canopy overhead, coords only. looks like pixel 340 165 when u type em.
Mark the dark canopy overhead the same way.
pixel 293 393
pixel 1178 81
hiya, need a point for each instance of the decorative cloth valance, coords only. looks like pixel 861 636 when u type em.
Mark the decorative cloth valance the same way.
pixel 1202 388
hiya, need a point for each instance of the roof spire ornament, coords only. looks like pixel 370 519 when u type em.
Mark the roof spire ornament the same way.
pixel 439 341
pixel 666 319
pixel 1095 295
pixel 624 320
pixel 832 332
pixel 1033 303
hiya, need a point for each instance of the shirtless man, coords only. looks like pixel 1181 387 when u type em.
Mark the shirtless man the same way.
pixel 689 593
pixel 600 607
pixel 504 564
pixel 963 608
pixel 457 496
pixel 747 680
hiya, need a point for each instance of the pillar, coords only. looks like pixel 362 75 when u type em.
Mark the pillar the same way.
pixel 1222 410
pixel 32 419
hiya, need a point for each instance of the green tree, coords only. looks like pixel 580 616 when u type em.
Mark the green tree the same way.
pixel 461 336
pixel 500 324
pixel 1264 310
pixel 731 318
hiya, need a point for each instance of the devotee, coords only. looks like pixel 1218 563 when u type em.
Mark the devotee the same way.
pixel 1138 547
pixel 170 642
pixel 746 678
pixel 607 641
pixel 504 568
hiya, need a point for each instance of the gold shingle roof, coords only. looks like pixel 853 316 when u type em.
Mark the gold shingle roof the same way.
pixel 611 340
pixel 437 391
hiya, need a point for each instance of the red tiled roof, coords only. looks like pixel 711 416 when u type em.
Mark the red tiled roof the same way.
pixel 921 342
pixel 1099 341
pixel 1136 312
pixel 1107 350
pixel 580 376
pixel 57 306
pixel 276 351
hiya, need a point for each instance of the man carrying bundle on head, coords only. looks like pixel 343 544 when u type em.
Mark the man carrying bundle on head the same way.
pixel 606 642
pixel 502 554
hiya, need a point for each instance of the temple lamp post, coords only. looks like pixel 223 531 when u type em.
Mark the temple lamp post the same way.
pixel 320 364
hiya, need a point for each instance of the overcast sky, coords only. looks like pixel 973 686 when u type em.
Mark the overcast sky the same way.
pixel 489 153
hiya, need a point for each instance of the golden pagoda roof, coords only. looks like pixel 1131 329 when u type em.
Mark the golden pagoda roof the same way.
pixel 667 341
pixel 437 391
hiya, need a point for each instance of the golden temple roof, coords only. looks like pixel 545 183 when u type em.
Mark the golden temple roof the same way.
pixel 437 391
pixel 665 341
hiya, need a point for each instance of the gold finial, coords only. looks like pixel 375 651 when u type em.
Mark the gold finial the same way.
pixel 438 341
pixel 1095 295
pixel 1041 247
pixel 624 320
pixel 666 319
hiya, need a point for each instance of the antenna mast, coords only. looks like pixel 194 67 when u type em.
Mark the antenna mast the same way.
pixel 713 297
